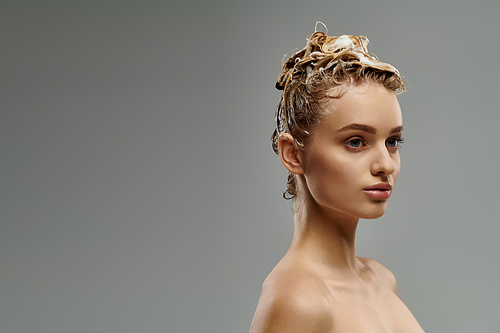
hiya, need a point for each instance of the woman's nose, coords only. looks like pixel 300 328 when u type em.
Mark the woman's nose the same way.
pixel 383 163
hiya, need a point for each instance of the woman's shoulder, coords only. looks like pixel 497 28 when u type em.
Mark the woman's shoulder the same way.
pixel 382 273
pixel 292 300
pixel 292 281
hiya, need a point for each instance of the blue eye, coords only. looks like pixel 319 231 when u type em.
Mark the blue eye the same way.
pixel 356 143
pixel 394 142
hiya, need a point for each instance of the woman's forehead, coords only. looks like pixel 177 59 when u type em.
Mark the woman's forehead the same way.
pixel 369 104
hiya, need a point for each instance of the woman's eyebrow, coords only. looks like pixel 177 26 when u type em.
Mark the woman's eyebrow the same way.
pixel 397 129
pixel 359 127
pixel 366 128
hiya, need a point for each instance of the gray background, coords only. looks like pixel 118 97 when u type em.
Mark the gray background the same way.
pixel 139 191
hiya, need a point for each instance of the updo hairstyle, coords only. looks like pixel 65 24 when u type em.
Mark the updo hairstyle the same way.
pixel 307 80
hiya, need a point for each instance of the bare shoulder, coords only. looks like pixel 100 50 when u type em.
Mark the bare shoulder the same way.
pixel 292 301
pixel 383 273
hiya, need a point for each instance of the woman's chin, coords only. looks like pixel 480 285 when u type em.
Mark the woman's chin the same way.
pixel 374 214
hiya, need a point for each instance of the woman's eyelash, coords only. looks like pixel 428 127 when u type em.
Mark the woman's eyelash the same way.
pixel 355 142
pixel 399 141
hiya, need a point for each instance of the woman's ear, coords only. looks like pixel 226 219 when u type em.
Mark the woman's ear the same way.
pixel 289 155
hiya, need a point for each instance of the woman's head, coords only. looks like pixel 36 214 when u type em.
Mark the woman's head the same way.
pixel 327 67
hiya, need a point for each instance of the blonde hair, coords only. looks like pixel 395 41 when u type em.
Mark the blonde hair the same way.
pixel 308 76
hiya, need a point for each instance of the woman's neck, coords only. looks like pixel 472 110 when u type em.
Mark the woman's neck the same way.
pixel 325 238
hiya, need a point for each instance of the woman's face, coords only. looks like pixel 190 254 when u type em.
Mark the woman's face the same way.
pixel 353 159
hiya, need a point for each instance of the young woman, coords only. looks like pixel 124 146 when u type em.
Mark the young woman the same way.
pixel 338 131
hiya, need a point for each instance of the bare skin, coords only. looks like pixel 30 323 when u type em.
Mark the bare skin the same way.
pixel 320 285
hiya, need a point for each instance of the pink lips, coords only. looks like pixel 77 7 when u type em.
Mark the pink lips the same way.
pixel 379 191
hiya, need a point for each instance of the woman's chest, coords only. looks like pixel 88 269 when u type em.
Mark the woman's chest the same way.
pixel 371 311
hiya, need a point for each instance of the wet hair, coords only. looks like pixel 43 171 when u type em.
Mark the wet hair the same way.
pixel 312 75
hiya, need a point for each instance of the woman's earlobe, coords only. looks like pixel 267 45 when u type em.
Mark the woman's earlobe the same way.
pixel 289 155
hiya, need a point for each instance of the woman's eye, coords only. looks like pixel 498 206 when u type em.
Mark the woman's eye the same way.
pixel 356 143
pixel 394 142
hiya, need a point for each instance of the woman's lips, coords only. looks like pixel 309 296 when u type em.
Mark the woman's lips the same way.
pixel 379 191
